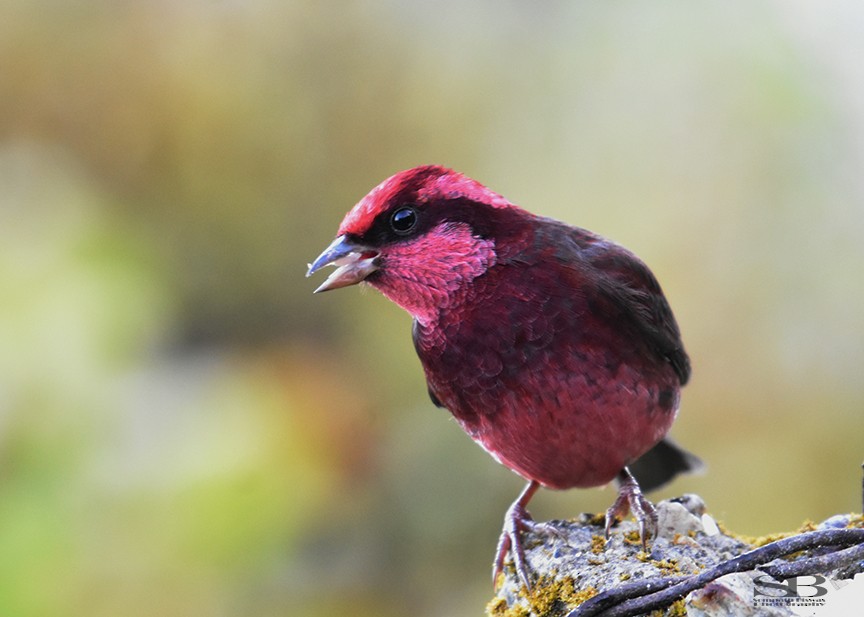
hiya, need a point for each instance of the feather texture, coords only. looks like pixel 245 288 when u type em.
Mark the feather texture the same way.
pixel 554 348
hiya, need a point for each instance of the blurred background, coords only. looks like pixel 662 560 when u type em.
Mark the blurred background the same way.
pixel 186 430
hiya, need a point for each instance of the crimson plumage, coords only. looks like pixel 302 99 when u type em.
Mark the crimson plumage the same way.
pixel 554 348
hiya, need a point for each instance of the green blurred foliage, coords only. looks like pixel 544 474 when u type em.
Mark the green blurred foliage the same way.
pixel 186 430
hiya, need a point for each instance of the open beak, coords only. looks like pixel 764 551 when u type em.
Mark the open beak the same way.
pixel 353 262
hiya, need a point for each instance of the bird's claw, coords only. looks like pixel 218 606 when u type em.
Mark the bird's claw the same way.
pixel 630 499
pixel 516 520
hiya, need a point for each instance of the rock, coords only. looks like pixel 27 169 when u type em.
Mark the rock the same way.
pixel 572 562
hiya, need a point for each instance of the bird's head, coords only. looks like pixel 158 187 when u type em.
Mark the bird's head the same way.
pixel 420 237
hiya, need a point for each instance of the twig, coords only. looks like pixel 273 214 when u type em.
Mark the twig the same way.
pixel 814 565
pixel 637 598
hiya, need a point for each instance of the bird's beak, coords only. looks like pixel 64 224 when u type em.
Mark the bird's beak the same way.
pixel 353 261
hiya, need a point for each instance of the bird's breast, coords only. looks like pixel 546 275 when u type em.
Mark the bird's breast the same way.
pixel 535 385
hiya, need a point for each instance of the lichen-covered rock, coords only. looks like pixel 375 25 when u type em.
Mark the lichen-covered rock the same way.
pixel 572 562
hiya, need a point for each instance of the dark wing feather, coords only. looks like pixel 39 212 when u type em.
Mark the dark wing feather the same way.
pixel 626 286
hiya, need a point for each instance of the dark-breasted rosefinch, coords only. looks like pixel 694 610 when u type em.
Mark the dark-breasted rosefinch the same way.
pixel 554 348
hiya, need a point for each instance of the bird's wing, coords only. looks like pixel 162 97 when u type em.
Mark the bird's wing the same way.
pixel 627 292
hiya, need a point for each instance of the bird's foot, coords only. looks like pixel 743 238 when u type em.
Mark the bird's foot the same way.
pixel 630 499
pixel 516 520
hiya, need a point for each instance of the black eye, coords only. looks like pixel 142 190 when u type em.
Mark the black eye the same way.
pixel 403 221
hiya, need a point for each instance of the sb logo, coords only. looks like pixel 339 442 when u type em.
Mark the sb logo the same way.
pixel 790 587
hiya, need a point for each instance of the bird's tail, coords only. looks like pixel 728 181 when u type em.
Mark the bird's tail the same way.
pixel 662 463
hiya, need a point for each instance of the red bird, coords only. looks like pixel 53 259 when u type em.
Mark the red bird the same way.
pixel 554 348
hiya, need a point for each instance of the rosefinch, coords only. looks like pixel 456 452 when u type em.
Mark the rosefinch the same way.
pixel 553 347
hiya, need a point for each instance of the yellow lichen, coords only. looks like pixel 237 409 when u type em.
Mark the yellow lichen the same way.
pixel 808 526
pixel 632 537
pixel 668 566
pixel 598 544
pixel 548 597
pixel 596 520
pixel 498 608
pixel 676 609
pixel 581 596
pixel 757 541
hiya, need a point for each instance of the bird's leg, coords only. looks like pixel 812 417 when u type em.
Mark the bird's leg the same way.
pixel 630 499
pixel 516 520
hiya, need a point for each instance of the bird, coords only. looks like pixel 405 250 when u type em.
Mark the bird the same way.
pixel 554 348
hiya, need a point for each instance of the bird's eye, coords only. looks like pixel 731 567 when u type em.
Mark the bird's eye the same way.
pixel 403 221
